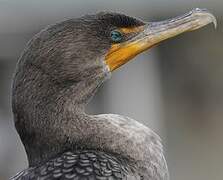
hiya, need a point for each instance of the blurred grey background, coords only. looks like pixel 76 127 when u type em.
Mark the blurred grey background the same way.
pixel 175 88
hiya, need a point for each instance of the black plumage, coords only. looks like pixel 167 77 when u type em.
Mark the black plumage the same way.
pixel 119 20
pixel 83 165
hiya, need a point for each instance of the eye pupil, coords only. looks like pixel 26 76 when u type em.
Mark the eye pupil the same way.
pixel 116 36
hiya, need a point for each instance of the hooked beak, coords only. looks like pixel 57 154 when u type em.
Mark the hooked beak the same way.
pixel 154 32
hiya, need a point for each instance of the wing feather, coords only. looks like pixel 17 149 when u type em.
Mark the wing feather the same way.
pixel 79 165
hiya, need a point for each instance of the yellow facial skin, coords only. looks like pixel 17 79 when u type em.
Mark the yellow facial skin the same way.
pixel 131 30
pixel 154 33
pixel 120 54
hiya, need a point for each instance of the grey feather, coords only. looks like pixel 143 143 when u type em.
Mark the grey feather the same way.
pixel 58 73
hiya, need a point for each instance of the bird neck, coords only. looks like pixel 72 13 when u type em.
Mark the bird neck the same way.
pixel 50 117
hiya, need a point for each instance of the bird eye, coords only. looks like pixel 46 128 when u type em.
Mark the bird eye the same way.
pixel 116 36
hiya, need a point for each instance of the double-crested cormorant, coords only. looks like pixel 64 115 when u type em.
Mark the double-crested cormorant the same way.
pixel 57 74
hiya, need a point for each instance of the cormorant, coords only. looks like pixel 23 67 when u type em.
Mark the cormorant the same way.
pixel 58 73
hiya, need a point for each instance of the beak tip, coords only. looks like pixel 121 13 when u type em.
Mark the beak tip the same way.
pixel 215 22
pixel 206 14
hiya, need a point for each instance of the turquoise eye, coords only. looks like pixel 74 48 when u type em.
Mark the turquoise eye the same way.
pixel 116 36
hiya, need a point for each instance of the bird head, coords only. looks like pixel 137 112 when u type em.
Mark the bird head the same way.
pixel 98 44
